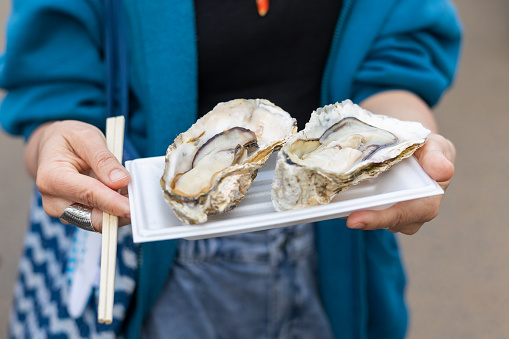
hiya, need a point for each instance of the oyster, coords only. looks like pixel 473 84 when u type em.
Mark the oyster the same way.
pixel 341 145
pixel 210 167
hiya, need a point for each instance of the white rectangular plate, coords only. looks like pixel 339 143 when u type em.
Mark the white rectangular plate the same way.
pixel 152 218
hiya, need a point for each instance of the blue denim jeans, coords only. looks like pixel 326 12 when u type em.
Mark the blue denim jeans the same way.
pixel 253 285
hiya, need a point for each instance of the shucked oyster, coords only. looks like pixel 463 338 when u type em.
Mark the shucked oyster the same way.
pixel 210 167
pixel 341 145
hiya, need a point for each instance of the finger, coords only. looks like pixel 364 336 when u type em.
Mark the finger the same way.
pixel 437 158
pixel 90 145
pixel 97 220
pixel 124 191
pixel 97 217
pixel 398 216
pixel 61 188
pixel 55 207
pixel 406 229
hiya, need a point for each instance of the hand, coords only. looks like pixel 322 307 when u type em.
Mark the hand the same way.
pixel 437 158
pixel 71 163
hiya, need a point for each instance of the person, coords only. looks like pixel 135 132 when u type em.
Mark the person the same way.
pixel 321 280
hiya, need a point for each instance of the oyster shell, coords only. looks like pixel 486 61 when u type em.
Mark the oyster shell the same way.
pixel 341 145
pixel 210 167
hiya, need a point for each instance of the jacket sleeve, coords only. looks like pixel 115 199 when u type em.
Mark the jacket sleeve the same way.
pixel 417 49
pixel 52 67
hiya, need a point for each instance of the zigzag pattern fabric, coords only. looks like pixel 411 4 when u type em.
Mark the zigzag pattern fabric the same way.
pixel 42 290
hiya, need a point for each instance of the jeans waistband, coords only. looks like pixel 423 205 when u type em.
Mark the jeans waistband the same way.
pixel 273 245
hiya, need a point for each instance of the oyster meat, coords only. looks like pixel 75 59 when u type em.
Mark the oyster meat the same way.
pixel 341 145
pixel 210 167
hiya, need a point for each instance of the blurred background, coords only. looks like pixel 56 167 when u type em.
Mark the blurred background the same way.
pixel 458 271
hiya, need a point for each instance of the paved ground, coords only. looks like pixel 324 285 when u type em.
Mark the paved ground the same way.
pixel 457 264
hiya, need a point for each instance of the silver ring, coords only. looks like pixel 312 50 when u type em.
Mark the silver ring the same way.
pixel 78 215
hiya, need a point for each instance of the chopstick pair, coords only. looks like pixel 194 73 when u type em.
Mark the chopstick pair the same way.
pixel 115 142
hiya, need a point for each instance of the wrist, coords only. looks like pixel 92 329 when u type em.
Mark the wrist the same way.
pixel 403 105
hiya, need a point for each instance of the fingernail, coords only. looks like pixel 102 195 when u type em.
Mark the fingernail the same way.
pixel 117 175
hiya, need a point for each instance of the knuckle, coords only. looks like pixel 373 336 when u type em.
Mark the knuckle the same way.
pixel 433 212
pixel 87 197
pixel 401 218
pixel 49 208
pixel 84 131
pixel 430 212
pixel 103 160
pixel 46 180
pixel 411 230
pixel 40 183
pixel 450 146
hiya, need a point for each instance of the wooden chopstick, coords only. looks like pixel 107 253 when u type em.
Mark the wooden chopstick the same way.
pixel 115 142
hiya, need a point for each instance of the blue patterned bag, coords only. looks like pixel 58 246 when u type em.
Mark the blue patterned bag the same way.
pixel 41 295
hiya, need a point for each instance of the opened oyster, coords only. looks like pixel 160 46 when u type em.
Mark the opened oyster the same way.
pixel 341 145
pixel 210 167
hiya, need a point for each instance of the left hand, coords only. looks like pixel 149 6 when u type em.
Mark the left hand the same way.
pixel 437 158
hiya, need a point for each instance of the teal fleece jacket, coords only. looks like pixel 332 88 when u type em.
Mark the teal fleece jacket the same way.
pixel 53 69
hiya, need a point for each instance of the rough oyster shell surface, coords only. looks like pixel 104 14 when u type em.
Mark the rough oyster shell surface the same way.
pixel 341 145
pixel 210 167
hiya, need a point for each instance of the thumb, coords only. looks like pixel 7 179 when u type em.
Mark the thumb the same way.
pixel 437 158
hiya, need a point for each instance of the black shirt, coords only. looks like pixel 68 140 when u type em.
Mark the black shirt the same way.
pixel 279 57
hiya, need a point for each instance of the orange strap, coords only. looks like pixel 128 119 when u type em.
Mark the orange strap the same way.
pixel 263 7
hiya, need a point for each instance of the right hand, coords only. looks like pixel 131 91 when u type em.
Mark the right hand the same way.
pixel 71 163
